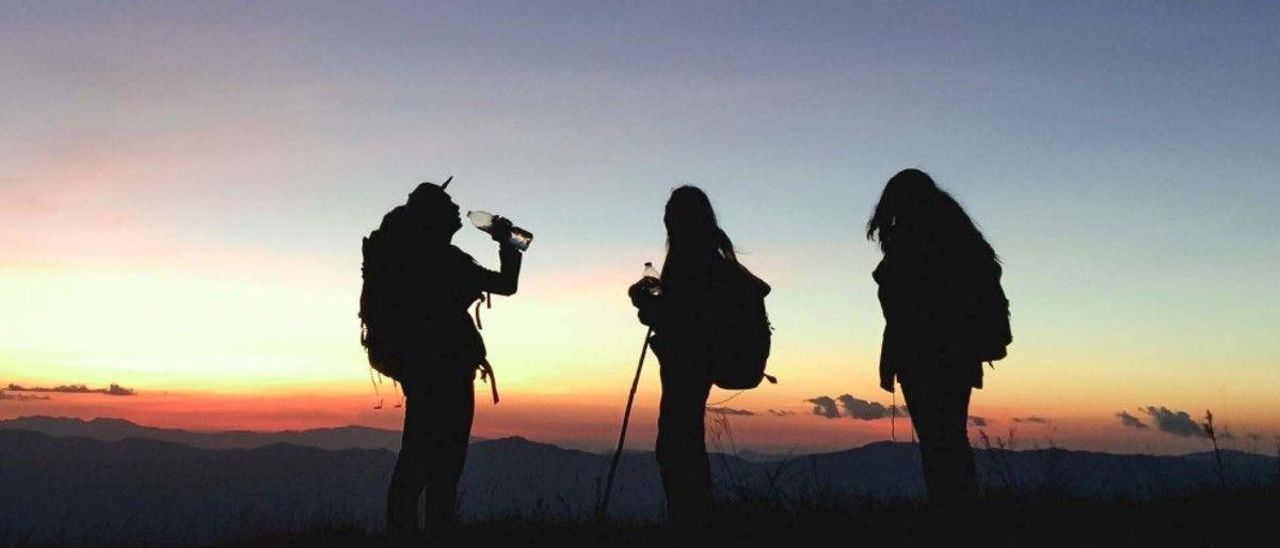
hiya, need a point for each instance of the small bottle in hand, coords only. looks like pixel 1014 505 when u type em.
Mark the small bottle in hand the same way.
pixel 501 229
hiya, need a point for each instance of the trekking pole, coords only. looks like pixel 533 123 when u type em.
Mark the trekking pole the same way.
pixel 626 417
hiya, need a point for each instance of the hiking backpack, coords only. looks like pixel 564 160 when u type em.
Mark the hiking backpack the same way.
pixel 993 334
pixel 380 302
pixel 743 337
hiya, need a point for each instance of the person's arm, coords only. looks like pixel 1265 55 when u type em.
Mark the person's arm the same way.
pixel 507 280
pixel 889 293
pixel 887 371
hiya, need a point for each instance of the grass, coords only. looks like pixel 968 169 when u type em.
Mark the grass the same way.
pixel 1210 432
pixel 1277 484
pixel 1237 519
pixel 1210 519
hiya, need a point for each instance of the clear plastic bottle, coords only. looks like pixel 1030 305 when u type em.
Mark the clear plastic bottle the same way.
pixel 518 237
pixel 651 279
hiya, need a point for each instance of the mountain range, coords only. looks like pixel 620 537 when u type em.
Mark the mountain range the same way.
pixel 108 429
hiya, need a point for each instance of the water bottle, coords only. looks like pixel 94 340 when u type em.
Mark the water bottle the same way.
pixel 518 237
pixel 651 279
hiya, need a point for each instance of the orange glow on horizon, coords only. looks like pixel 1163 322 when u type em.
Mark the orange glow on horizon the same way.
pixel 591 421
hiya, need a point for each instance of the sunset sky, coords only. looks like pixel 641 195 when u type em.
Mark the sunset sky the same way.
pixel 184 186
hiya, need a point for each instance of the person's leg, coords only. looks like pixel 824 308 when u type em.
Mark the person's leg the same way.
pixel 682 452
pixel 940 413
pixel 957 465
pixel 410 472
pixel 453 409
pixel 700 462
pixel 924 410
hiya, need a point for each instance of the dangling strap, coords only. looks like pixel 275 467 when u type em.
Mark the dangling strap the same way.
pixel 893 417
pixel 486 375
pixel 487 299
pixel 486 370
pixel 377 393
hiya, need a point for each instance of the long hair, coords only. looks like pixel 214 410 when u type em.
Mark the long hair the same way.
pixel 913 211
pixel 692 230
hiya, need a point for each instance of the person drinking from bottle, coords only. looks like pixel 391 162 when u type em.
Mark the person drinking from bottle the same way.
pixel 700 275
pixel 432 346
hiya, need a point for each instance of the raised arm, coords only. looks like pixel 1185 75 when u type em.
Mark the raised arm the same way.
pixel 507 280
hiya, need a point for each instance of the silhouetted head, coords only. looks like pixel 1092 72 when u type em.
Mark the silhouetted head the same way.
pixel 913 211
pixel 432 211
pixel 692 230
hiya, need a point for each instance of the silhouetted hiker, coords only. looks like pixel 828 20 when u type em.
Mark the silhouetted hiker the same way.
pixel 943 309
pixel 701 282
pixel 419 332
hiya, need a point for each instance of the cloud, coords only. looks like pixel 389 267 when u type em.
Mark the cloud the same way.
pixel 824 406
pixel 117 390
pixel 863 410
pixel 781 413
pixel 21 397
pixel 730 411
pixel 1178 423
pixel 114 390
pixel 1032 419
pixel 977 421
pixel 1131 421
pixel 1253 436
pixel 851 407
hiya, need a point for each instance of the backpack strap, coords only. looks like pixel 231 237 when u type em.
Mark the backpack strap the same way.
pixel 487 299
pixel 486 375
pixel 377 393
pixel 486 369
pixel 893 416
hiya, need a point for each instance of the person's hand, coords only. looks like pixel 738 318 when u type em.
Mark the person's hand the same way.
pixel 636 291
pixel 641 289
pixel 500 230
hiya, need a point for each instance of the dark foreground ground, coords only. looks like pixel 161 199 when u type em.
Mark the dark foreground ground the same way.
pixel 1251 519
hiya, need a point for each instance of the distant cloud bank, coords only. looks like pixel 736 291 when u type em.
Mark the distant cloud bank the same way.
pixel 731 411
pixel 113 390
pixel 21 397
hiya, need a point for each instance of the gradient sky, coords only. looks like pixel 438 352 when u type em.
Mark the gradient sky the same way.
pixel 184 187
